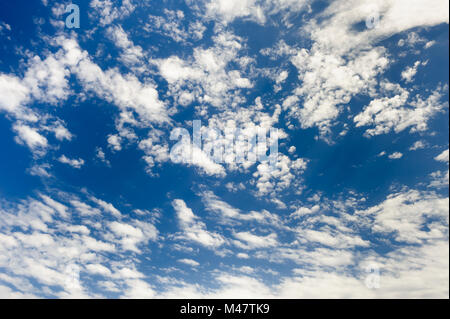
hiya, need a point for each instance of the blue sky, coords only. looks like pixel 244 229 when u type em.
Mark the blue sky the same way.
pixel 93 204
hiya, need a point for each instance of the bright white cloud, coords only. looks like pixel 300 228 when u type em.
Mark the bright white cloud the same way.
pixel 193 228
pixel 443 157
pixel 75 163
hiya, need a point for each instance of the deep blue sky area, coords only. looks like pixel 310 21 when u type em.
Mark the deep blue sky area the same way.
pixel 93 204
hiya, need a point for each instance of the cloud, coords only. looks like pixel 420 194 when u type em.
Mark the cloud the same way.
pixel 294 239
pixel 302 211
pixel 171 25
pixel 443 157
pixel 387 114
pixel 343 62
pixel 189 262
pixel 204 75
pixel 396 155
pixel 108 13
pixel 225 12
pixel 52 242
pixel 406 214
pixel 410 72
pixel 274 179
pixel 440 179
pixel 40 170
pixel 13 95
pixel 247 240
pixel 75 163
pixel 193 228
pixel 230 215
pixel 131 55
pixel 108 207
pixel 417 146
pixel 232 9
pixel 131 236
pixel 31 138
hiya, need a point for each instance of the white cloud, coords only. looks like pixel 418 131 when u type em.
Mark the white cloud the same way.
pixel 440 179
pixel 247 240
pixel 226 11
pixel 172 25
pixel 386 114
pixel 84 209
pixel 61 132
pixel 230 215
pixel 114 141
pixel 131 236
pixel 405 215
pixel 98 269
pixel 108 13
pixel 343 62
pixel 108 207
pixel 205 73
pixel 131 55
pixel 443 157
pixel 13 95
pixel 40 170
pixel 418 146
pixel 193 228
pixel 31 138
pixel 139 289
pixel 331 238
pixel 274 179
pixel 75 163
pixel 303 211
pixel 396 155
pixel 189 262
pixel 242 256
pixel 49 242
pixel 101 156
pixel 409 73
pixel 47 81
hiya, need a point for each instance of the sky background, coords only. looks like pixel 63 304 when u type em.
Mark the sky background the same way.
pixel 91 204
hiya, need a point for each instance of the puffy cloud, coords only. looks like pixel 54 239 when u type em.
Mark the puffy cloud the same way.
pixel 40 170
pixel 232 9
pixel 131 236
pixel 108 207
pixel 172 25
pixel 417 146
pixel 386 114
pixel 108 13
pixel 344 62
pixel 256 10
pixel 248 240
pixel 132 55
pixel 275 179
pixel 13 95
pixel 409 73
pixel 396 155
pixel 31 138
pixel 231 215
pixel 193 228
pixel 189 262
pixel 46 241
pixel 406 214
pixel 205 74
pixel 75 163
pixel 443 157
